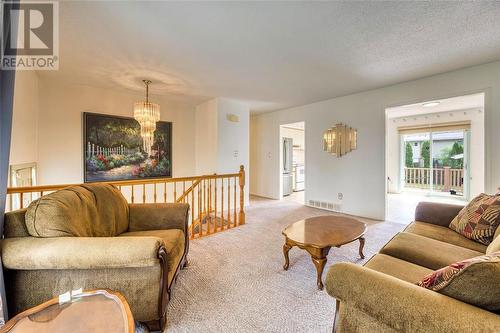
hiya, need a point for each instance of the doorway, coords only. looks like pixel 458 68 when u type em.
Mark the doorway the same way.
pixel 434 152
pixel 436 161
pixel 292 138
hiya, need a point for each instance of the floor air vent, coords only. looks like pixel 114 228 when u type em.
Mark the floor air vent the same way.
pixel 325 205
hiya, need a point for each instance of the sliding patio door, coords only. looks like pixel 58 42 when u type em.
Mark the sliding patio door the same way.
pixel 435 159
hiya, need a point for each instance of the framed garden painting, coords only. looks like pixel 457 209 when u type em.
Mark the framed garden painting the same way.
pixel 114 150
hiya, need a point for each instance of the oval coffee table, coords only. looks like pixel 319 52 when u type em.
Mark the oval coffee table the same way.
pixel 317 235
pixel 90 311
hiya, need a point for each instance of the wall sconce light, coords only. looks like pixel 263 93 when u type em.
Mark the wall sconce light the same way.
pixel 340 140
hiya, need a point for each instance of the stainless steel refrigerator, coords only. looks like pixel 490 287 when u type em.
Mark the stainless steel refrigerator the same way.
pixel 287 166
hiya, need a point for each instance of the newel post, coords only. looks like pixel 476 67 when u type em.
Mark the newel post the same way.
pixel 241 217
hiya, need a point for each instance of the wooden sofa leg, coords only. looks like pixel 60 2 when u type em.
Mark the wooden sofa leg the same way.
pixel 186 263
pixel 336 316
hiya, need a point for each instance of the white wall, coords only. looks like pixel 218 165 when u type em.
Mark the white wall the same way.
pixel 25 119
pixel 206 138
pixel 222 145
pixel 48 129
pixel 476 153
pixel 360 175
pixel 233 137
pixel 60 134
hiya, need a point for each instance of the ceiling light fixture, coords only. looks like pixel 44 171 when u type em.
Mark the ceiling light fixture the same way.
pixel 431 104
pixel 147 114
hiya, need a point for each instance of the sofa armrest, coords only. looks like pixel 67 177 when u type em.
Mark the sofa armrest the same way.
pixel 158 216
pixel 405 306
pixel 436 213
pixel 31 253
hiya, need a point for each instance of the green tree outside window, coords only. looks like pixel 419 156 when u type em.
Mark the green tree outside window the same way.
pixel 426 153
pixel 409 156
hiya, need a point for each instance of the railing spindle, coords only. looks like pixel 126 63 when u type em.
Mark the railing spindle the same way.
pixel 234 195
pixel 228 202
pixel 215 205
pixel 165 192
pixel 132 196
pixel 200 222
pixel 206 210
pixel 222 205
pixel 241 219
pixel 154 194
pixel 210 203
pixel 192 211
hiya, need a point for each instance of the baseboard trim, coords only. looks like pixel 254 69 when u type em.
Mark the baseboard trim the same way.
pixel 262 196
pixel 344 213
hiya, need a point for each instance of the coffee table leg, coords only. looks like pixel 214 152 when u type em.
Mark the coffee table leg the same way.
pixel 361 245
pixel 320 265
pixel 286 248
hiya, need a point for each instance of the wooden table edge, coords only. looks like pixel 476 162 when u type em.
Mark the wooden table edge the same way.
pixel 329 245
pixel 13 321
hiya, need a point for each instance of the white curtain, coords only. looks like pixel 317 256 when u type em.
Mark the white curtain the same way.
pixel 6 99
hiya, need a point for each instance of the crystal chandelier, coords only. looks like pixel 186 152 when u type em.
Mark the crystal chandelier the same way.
pixel 147 114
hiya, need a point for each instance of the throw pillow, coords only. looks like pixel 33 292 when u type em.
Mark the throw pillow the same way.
pixel 479 219
pixel 474 281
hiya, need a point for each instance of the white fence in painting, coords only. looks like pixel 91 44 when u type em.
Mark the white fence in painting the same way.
pixel 94 150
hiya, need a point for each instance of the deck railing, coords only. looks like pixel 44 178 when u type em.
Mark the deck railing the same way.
pixel 443 179
pixel 216 201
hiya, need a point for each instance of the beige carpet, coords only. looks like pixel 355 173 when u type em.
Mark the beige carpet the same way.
pixel 236 283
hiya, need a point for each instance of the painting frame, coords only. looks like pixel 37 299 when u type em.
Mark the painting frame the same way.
pixel 85 127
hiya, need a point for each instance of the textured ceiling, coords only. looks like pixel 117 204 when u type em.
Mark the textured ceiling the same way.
pixel 270 54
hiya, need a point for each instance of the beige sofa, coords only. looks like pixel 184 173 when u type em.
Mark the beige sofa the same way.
pixel 382 296
pixel 89 237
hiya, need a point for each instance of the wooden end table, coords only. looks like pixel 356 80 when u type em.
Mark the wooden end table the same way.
pixel 317 235
pixel 91 311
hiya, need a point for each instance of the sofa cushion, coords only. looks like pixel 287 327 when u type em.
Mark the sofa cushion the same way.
pixel 90 210
pixel 479 219
pixel 443 234
pixel 174 244
pixel 495 245
pixel 30 253
pixel 15 224
pixel 474 281
pixel 426 252
pixel 398 268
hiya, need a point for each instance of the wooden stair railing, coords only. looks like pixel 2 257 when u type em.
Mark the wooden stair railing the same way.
pixel 183 196
pixel 213 199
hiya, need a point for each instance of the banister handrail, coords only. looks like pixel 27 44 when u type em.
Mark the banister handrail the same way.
pixel 45 188
pixel 212 198
pixel 189 190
